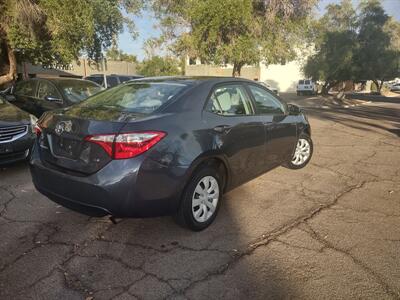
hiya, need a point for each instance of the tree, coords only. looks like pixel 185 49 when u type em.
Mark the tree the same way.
pixel 355 47
pixel 159 66
pixel 118 55
pixel 377 58
pixel 48 31
pixel 236 32
pixel 334 46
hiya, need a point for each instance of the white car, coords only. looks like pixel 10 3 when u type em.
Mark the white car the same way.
pixel 271 88
pixel 395 87
pixel 306 86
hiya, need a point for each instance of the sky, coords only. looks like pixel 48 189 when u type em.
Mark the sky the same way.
pixel 147 26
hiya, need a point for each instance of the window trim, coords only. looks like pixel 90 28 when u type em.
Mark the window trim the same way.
pixel 284 105
pixel 239 83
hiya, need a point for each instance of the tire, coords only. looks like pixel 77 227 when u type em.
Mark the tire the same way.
pixel 186 215
pixel 297 163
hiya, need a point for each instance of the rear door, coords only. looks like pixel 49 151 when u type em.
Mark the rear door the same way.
pixel 281 128
pixel 238 132
pixel 25 96
pixel 48 97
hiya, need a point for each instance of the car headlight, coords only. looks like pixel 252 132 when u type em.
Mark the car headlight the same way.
pixel 33 121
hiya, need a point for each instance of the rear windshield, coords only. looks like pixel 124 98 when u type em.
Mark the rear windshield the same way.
pixel 301 81
pixel 307 82
pixel 135 97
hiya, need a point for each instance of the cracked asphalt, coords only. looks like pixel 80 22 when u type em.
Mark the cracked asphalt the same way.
pixel 330 230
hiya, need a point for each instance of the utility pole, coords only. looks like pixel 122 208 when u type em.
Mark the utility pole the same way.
pixel 104 68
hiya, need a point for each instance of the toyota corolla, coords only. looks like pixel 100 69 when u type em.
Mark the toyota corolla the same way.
pixel 166 146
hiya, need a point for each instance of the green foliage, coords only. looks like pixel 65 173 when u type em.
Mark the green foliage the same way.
pixel 60 31
pixel 118 55
pixel 159 66
pixel 355 47
pixel 375 57
pixel 237 32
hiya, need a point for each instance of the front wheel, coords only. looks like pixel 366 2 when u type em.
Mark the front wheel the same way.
pixel 201 200
pixel 302 154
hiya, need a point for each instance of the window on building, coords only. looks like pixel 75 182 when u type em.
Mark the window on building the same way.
pixel 192 61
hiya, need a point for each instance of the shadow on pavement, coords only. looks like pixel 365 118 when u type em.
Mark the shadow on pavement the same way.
pixel 68 255
pixel 361 117
pixel 374 98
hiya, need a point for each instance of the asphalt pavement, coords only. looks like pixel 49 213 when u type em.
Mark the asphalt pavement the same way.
pixel 330 230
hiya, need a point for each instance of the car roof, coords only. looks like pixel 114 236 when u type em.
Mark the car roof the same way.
pixel 57 80
pixel 190 80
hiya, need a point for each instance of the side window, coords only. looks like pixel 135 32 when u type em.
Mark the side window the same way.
pixel 47 89
pixel 25 88
pixel 229 100
pixel 112 81
pixel 265 102
pixel 98 80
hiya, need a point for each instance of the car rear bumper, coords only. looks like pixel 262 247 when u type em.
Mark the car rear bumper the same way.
pixel 123 188
pixel 16 150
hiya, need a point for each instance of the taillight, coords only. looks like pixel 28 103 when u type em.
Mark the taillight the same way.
pixel 38 130
pixel 126 145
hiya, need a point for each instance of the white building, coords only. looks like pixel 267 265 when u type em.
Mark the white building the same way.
pixel 283 77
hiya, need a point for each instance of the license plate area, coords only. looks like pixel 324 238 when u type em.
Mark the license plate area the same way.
pixel 64 147
pixel 6 148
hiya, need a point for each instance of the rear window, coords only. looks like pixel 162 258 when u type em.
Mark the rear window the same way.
pixel 301 81
pixel 137 97
pixel 307 82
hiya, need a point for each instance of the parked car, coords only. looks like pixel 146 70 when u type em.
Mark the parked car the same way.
pixel 16 132
pixel 395 87
pixel 162 146
pixel 42 94
pixel 306 87
pixel 112 80
pixel 271 88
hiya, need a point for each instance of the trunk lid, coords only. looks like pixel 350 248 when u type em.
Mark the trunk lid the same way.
pixel 62 141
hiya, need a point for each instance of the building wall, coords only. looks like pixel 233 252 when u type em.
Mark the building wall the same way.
pixel 81 68
pixel 283 77
pixel 248 72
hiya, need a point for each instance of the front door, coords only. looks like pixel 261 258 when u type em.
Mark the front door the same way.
pixel 237 131
pixel 280 127
pixel 25 93
pixel 48 97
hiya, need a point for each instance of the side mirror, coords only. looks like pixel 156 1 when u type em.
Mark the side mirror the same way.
pixel 294 109
pixel 52 99
pixel 10 98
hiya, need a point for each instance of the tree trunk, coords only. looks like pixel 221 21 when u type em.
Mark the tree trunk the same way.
pixel 325 90
pixel 12 72
pixel 236 70
pixel 377 85
pixel 380 87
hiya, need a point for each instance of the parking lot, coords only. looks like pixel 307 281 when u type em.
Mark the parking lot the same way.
pixel 330 230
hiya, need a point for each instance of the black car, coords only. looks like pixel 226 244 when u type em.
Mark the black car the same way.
pixel 42 94
pixel 16 133
pixel 112 80
pixel 162 146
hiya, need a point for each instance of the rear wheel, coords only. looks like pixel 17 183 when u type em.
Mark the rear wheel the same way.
pixel 302 153
pixel 201 199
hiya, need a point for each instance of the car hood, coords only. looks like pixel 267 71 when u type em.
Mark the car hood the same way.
pixel 11 115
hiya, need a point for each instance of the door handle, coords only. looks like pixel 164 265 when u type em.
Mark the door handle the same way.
pixel 223 128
